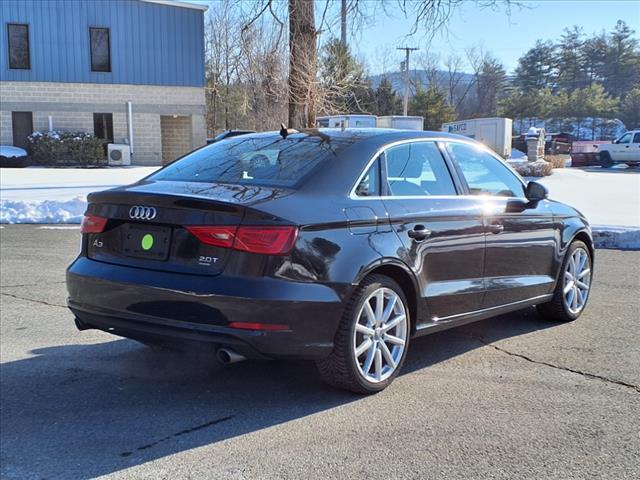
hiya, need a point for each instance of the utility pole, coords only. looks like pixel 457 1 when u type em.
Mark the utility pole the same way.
pixel 407 50
pixel 343 24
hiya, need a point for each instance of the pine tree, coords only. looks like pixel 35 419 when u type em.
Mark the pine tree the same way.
pixel 491 85
pixel 432 105
pixel 537 68
pixel 570 60
pixel 386 100
pixel 623 66
pixel 629 111
pixel 342 81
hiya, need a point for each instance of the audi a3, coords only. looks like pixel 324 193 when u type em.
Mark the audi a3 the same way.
pixel 339 246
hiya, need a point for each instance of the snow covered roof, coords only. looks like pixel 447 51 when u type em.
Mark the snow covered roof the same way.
pixel 176 3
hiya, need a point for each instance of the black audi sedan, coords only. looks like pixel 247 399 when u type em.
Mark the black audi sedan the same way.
pixel 333 245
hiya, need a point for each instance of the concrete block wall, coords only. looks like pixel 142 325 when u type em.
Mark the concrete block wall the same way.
pixel 72 106
pixel 176 137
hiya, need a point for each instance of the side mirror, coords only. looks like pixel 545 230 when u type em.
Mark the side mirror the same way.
pixel 536 192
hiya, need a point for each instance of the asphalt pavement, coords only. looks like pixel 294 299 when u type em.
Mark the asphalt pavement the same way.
pixel 512 397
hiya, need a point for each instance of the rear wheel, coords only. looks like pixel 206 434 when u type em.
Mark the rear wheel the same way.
pixel 372 339
pixel 605 160
pixel 573 287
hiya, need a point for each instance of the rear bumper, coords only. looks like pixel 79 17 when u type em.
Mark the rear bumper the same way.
pixel 179 310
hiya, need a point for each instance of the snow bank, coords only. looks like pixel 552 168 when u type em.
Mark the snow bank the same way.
pixel 57 195
pixel 47 211
pixel 611 236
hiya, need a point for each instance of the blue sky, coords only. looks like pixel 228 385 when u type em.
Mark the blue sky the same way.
pixel 507 37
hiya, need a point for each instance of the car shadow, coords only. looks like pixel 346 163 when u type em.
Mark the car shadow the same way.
pixel 81 411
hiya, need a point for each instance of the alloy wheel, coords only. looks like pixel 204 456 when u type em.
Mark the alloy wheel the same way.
pixel 577 281
pixel 380 335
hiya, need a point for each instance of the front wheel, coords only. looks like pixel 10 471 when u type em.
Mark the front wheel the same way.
pixel 605 160
pixel 371 343
pixel 573 287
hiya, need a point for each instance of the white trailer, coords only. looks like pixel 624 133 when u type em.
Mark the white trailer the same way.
pixel 493 132
pixel 346 121
pixel 400 122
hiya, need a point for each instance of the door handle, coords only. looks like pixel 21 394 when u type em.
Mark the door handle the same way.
pixel 496 227
pixel 419 233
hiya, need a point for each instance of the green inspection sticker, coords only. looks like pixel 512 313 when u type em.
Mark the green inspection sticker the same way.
pixel 147 242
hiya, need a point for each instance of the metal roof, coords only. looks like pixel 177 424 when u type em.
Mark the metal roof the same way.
pixel 176 3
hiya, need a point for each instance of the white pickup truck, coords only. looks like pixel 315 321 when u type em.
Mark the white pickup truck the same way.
pixel 625 149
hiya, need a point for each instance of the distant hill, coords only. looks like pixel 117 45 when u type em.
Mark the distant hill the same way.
pixel 397 79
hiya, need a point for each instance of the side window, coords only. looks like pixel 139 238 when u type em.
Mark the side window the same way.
pixel 418 169
pixel 485 175
pixel 636 138
pixel 626 138
pixel 369 186
pixel 19 54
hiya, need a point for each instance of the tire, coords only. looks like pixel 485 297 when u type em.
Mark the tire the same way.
pixel 559 308
pixel 346 370
pixel 605 160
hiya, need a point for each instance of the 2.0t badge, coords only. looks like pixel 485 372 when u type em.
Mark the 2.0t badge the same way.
pixel 139 212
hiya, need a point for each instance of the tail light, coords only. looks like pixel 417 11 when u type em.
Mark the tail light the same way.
pixel 93 224
pixel 264 240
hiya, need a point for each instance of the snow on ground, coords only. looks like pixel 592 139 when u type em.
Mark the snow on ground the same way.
pixel 57 195
pixel 604 196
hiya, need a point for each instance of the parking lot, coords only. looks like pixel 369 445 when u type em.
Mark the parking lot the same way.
pixel 511 397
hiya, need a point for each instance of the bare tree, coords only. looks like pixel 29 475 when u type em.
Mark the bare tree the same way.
pixel 303 60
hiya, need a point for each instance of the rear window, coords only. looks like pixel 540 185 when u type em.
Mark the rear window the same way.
pixel 251 160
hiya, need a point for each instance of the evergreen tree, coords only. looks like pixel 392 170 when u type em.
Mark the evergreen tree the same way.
pixel 491 85
pixel 595 51
pixel 432 105
pixel 386 100
pixel 570 60
pixel 537 68
pixel 342 81
pixel 623 66
pixel 591 104
pixel 629 111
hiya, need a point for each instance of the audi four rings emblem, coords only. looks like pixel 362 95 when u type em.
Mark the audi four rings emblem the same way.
pixel 139 212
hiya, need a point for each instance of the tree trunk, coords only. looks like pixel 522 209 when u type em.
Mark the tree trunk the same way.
pixel 302 64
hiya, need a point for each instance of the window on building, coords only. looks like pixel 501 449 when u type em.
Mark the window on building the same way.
pixel 19 56
pixel 100 50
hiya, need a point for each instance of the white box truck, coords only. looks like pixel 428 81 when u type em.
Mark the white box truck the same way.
pixel 401 122
pixel 493 132
pixel 346 121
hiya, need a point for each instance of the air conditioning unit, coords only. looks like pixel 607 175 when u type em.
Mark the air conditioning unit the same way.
pixel 119 154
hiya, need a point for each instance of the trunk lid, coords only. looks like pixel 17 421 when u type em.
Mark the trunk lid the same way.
pixel 147 223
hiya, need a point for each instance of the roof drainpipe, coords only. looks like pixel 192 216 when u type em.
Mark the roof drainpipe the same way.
pixel 130 122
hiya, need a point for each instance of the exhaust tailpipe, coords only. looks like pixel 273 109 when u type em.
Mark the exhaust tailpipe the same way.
pixel 227 356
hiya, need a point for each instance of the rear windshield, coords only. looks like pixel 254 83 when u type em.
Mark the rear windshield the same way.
pixel 255 160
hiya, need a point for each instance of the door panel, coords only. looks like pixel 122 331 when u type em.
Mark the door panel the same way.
pixel 520 236
pixel 22 125
pixel 449 262
pixel 442 233
pixel 520 251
